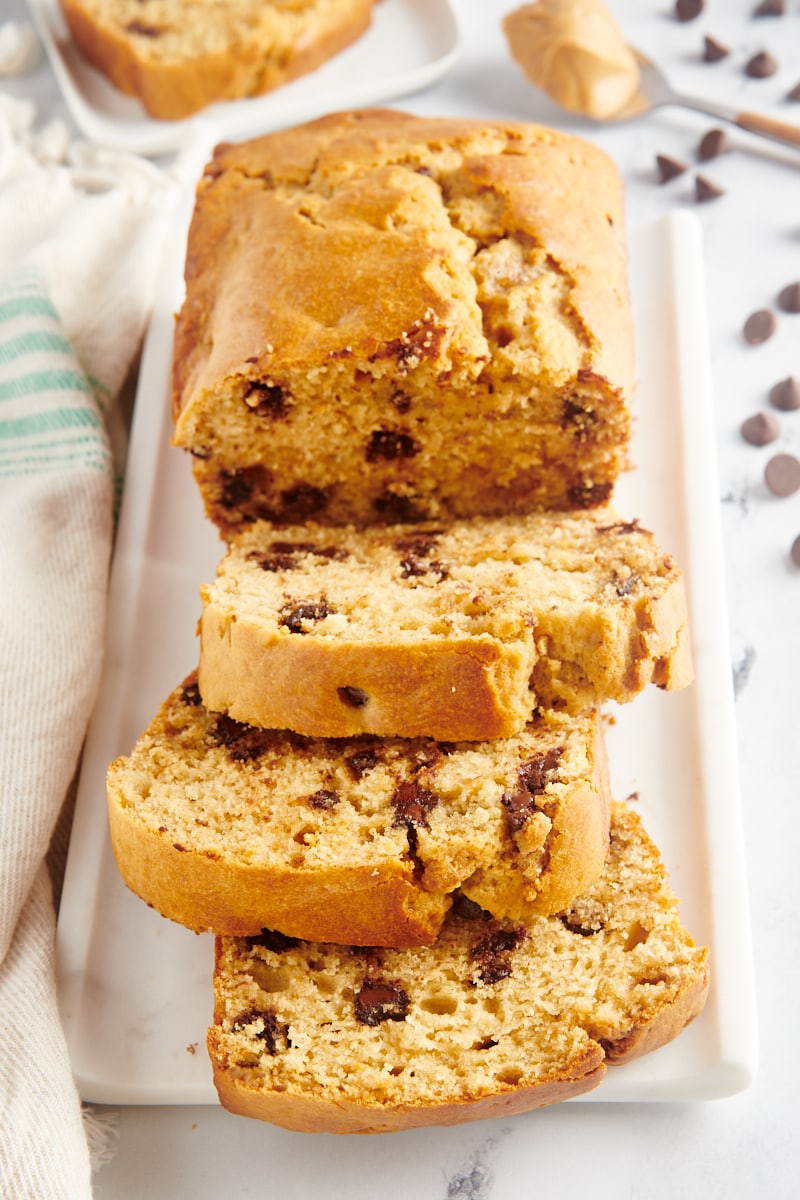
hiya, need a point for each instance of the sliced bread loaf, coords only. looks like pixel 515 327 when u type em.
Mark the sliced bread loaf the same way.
pixel 226 827
pixel 494 1019
pixel 391 318
pixel 453 631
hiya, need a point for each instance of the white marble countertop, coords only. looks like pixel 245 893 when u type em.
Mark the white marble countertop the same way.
pixel 746 1144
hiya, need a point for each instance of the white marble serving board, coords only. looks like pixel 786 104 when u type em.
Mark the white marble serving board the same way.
pixel 409 46
pixel 135 990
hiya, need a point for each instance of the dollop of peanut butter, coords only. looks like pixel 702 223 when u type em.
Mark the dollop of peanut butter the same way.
pixel 575 52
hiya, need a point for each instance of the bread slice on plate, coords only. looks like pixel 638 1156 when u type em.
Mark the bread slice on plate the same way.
pixel 226 827
pixel 393 318
pixel 493 1019
pixel 455 630
pixel 179 56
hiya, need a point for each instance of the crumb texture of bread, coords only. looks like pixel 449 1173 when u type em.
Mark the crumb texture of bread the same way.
pixel 179 56
pixel 494 1018
pixel 396 318
pixel 225 827
pixel 454 631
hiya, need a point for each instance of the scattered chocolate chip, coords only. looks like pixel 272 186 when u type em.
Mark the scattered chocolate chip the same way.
pixel 274 1035
pixel 379 1000
pixel 236 488
pixel 361 761
pixel 582 928
pixel 789 298
pixel 589 495
pixel 668 168
pixel 388 444
pixel 760 429
pixel 266 400
pixel 244 743
pixel 782 474
pixel 293 615
pixel 325 799
pixel 534 772
pixel 493 954
pixel 191 695
pixel 397 509
pixel 271 939
pixel 687 10
pixel 705 189
pixel 795 551
pixel 759 326
pixel 794 93
pixel 785 395
pixel 714 51
pixel 469 910
pixel 412 803
pixel 412 567
pixel 715 142
pixel 769 8
pixel 303 500
pixel 144 30
pixel 353 697
pixel 761 65
pixel 533 776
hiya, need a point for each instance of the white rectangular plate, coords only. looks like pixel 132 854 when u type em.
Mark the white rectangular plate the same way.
pixel 409 45
pixel 135 989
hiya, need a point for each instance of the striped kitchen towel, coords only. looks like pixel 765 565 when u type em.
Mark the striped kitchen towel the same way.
pixel 80 241
pixel 56 498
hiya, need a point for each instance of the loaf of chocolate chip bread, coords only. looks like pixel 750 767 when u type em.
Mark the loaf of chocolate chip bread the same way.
pixel 493 1019
pixel 226 827
pixel 395 318
pixel 178 56
pixel 452 631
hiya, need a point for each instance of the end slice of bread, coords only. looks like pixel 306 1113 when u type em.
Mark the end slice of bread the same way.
pixel 494 1019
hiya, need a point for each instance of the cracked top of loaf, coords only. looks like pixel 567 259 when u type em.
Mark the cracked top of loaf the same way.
pixel 400 292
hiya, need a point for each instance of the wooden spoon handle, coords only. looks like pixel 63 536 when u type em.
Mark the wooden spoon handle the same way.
pixel 779 131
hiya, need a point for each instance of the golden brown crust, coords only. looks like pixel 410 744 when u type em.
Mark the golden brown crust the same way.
pixel 453 690
pixel 311 1114
pixel 173 90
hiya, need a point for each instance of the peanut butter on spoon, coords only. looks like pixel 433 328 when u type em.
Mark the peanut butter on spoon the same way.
pixel 575 52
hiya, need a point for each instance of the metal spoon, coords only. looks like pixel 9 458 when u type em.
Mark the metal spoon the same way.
pixel 655 91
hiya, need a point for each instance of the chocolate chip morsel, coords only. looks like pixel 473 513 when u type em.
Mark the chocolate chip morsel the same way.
pixel 789 298
pixel 705 189
pixel 785 395
pixel 379 1000
pixel 795 551
pixel 668 168
pixel 769 8
pixel 761 65
pixel 759 326
pixel 714 51
pixel 715 142
pixel 782 474
pixel 760 429
pixel 794 93
pixel 687 10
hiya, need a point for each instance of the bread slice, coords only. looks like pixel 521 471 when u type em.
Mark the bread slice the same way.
pixel 178 56
pixel 225 827
pixel 454 631
pixel 394 318
pixel 494 1019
